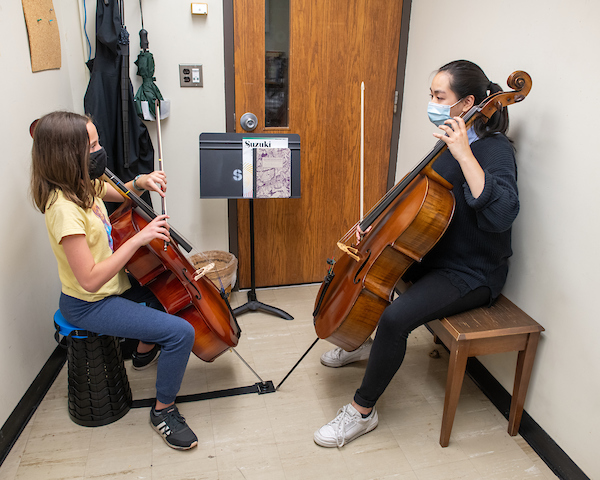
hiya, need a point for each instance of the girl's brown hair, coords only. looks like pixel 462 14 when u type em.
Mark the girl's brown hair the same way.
pixel 60 160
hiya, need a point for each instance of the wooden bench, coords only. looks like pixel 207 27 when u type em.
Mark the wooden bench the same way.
pixel 503 327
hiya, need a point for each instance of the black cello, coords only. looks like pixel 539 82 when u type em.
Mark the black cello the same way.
pixel 404 225
pixel 181 289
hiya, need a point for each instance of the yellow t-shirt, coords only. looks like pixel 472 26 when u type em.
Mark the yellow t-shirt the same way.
pixel 64 218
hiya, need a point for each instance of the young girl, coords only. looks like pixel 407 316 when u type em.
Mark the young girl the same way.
pixel 468 266
pixel 67 161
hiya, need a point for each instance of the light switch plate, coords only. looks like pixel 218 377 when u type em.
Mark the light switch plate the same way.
pixel 199 9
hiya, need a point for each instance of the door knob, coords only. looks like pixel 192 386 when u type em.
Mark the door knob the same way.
pixel 248 121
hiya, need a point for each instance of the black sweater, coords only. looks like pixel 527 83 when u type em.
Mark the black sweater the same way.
pixel 475 249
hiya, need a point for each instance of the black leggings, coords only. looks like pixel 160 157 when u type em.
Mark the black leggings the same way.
pixel 433 296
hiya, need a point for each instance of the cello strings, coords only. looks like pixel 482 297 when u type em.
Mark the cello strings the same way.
pixel 150 214
pixel 469 117
pixel 350 233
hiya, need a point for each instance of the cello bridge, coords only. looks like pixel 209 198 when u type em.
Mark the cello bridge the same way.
pixel 350 251
pixel 198 274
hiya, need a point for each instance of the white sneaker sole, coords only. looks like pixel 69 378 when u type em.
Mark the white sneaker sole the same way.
pixel 330 443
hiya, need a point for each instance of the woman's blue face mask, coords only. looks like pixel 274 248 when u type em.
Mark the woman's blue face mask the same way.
pixel 439 113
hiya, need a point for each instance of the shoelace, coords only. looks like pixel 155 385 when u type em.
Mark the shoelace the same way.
pixel 176 417
pixel 337 353
pixel 343 418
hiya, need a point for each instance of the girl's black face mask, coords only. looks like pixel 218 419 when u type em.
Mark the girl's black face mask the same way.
pixel 98 161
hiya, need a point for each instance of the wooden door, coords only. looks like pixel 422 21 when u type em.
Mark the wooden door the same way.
pixel 333 47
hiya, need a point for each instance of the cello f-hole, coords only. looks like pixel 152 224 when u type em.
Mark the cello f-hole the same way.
pixel 192 284
pixel 356 280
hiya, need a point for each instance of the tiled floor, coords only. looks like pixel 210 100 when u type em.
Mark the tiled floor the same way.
pixel 271 436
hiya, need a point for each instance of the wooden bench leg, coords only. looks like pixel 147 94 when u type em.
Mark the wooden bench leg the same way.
pixel 522 376
pixel 456 373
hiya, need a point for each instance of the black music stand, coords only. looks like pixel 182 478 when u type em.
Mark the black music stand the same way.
pixel 221 167
pixel 253 304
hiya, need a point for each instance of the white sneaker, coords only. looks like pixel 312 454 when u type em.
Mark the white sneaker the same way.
pixel 344 428
pixel 338 357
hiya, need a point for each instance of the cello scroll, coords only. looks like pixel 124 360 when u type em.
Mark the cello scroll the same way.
pixel 520 82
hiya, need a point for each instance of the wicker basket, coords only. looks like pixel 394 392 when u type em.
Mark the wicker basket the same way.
pixel 225 271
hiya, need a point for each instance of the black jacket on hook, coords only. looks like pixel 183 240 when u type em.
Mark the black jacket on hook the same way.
pixel 103 98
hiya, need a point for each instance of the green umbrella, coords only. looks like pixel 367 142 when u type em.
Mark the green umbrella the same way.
pixel 148 91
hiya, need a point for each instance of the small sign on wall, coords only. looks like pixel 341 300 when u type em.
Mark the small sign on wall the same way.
pixel 44 39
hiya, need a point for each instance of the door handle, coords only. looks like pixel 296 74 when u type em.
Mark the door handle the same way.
pixel 248 121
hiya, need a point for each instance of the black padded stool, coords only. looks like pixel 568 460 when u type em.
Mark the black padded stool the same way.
pixel 99 391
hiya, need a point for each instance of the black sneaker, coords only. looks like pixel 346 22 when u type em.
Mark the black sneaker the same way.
pixel 170 424
pixel 144 360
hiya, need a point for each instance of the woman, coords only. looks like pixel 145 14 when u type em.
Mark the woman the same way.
pixel 468 266
pixel 67 162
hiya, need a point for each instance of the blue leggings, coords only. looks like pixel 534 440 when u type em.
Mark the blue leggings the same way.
pixel 123 316
pixel 431 297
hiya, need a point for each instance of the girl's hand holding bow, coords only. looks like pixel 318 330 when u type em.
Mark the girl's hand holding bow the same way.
pixel 155 181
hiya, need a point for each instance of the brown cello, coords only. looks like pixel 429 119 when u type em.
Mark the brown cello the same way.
pixel 404 225
pixel 168 274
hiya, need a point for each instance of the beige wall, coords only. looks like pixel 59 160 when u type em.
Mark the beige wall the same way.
pixel 28 289
pixel 552 271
